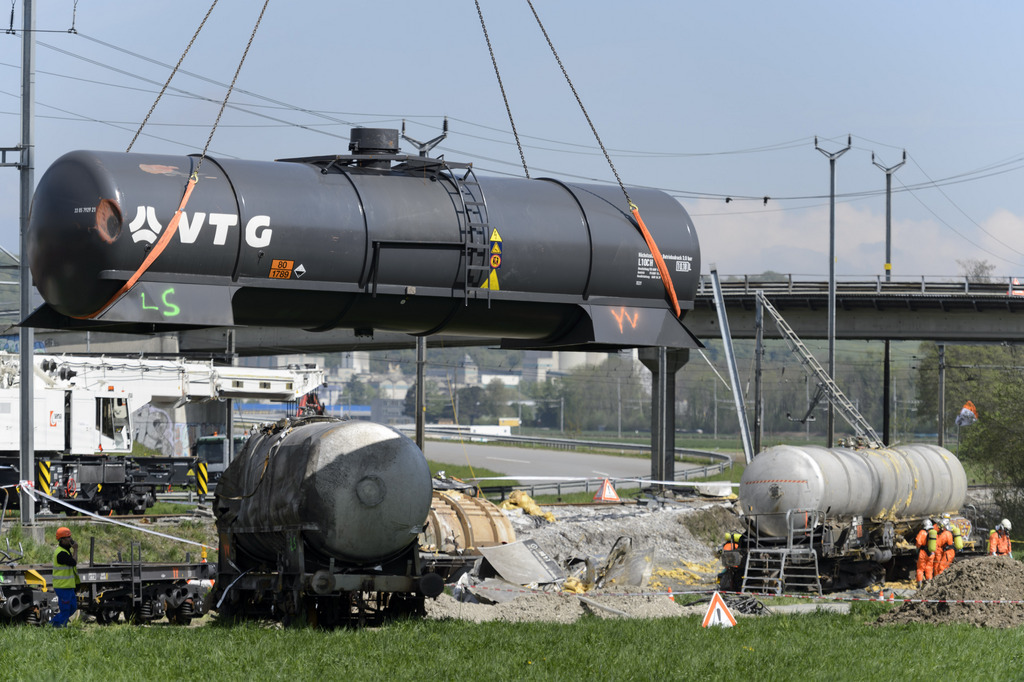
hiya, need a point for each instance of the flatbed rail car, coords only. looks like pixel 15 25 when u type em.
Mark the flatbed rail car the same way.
pixel 141 592
pixel 107 483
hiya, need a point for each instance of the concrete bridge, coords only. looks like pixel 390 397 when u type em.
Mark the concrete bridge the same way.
pixel 908 309
pixel 905 309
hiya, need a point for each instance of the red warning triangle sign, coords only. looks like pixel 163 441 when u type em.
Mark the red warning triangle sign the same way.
pixel 607 493
pixel 718 613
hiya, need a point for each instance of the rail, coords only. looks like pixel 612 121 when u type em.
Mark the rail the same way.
pixel 877 284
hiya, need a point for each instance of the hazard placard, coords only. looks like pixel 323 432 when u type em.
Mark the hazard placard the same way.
pixel 718 613
pixel 281 269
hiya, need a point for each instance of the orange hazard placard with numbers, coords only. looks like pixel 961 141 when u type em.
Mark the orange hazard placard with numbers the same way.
pixel 281 269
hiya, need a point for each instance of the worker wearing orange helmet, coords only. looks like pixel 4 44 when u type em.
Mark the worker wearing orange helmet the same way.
pixel 999 539
pixel 925 542
pixel 65 577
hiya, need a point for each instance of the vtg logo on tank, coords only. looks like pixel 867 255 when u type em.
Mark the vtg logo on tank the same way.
pixel 145 227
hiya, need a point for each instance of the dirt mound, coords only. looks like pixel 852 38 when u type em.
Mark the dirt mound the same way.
pixel 710 524
pixel 977 579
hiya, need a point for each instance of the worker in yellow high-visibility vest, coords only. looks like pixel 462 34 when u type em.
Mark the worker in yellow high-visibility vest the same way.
pixel 65 577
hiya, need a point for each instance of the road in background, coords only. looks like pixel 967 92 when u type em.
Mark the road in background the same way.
pixel 535 462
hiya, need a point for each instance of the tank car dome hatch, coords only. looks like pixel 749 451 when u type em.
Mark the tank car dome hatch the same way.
pixel 373 142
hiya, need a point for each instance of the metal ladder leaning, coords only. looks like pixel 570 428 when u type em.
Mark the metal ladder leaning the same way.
pixel 842 404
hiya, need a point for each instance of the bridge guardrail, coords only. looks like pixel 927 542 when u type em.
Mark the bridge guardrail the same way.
pixel 923 284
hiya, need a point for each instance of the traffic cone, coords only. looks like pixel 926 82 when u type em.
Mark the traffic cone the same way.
pixel 606 493
pixel 670 595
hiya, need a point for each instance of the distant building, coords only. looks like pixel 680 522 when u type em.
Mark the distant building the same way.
pixel 466 373
pixel 507 378
pixel 386 411
pixel 536 365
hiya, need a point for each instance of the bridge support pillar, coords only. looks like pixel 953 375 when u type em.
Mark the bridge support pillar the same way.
pixel 663 363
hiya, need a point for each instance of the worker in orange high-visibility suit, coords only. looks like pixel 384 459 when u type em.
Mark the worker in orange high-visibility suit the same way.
pixel 943 542
pixel 925 560
pixel 999 539
pixel 955 544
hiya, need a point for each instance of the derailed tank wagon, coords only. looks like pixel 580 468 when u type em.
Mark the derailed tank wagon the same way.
pixel 318 521
pixel 826 519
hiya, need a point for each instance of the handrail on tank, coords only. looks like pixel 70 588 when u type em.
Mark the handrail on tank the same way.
pixel 804 528
pixel 801 525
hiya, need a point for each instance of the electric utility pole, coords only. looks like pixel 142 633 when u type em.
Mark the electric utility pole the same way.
pixel 26 339
pixel 831 431
pixel 886 372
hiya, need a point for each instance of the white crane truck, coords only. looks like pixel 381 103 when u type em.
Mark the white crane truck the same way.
pixel 84 416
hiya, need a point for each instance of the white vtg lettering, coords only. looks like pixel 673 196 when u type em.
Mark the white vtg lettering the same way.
pixel 145 227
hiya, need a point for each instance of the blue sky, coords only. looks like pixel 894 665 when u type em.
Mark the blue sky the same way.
pixel 704 100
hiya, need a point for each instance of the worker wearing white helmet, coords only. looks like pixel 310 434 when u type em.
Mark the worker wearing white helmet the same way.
pixel 943 547
pixel 925 550
pixel 999 539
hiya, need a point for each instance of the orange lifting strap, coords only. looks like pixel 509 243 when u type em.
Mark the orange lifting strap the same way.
pixel 155 252
pixel 658 260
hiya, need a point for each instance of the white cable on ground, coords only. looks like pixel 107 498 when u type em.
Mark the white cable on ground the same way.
pixel 31 491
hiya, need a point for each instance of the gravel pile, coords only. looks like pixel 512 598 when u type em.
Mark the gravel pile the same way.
pixel 661 538
pixel 659 531
pixel 561 608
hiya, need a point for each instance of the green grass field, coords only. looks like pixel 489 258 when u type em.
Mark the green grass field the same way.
pixel 799 647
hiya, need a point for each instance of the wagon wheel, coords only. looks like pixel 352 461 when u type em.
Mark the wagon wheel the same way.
pixel 183 614
pixel 178 617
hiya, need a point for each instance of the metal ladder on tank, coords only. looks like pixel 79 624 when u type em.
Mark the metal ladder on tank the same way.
pixel 811 365
pixel 475 231
pixel 772 569
pixel 468 198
